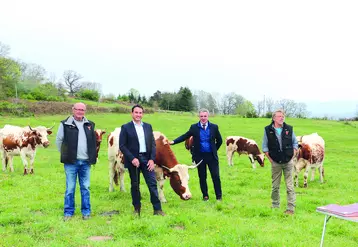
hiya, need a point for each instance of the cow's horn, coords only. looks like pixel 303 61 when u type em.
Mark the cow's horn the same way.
pixel 51 127
pixel 195 165
pixel 31 128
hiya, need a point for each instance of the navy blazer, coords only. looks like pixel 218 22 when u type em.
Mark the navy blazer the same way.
pixel 194 131
pixel 129 143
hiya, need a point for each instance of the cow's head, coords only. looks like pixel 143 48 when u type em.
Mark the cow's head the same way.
pixel 39 135
pixel 99 133
pixel 179 179
pixel 260 159
pixel 189 143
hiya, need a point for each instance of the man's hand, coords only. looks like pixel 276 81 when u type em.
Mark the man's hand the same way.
pixel 135 162
pixel 171 142
pixel 150 165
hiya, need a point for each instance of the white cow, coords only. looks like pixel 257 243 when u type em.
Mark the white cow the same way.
pixel 18 141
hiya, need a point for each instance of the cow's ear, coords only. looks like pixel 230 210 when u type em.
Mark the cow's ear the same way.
pixel 103 132
pixel 49 132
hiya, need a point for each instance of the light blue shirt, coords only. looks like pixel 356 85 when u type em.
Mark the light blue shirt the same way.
pixel 141 138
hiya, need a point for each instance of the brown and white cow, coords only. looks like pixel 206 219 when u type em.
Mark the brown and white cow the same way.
pixel 116 161
pixel 310 156
pixel 18 141
pixel 243 145
pixel 99 133
pixel 167 166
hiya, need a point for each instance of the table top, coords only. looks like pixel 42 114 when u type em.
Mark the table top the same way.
pixel 354 219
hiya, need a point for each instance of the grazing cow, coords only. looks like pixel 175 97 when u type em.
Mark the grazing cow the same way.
pixel 99 133
pixel 167 166
pixel 17 141
pixel 310 156
pixel 242 145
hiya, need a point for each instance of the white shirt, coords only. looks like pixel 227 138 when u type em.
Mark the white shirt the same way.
pixel 141 138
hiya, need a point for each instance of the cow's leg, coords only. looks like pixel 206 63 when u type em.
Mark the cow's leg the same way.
pixel 305 175
pixel 10 161
pixel 313 171
pixel 320 169
pixel 4 160
pixel 296 171
pixel 121 178
pixel 24 161
pixel 32 159
pixel 111 170
pixel 252 161
pixel 161 191
pixel 229 155
pixel 160 179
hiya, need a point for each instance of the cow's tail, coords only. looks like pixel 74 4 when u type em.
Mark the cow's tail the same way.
pixel 322 171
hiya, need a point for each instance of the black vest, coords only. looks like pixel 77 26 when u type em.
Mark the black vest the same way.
pixel 278 155
pixel 70 142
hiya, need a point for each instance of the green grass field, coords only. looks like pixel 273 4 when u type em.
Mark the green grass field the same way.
pixel 31 207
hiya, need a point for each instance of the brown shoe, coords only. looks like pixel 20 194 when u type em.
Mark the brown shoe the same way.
pixel 159 212
pixel 289 212
pixel 205 198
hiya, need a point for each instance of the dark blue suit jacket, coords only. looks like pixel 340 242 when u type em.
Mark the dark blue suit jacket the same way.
pixel 194 131
pixel 129 144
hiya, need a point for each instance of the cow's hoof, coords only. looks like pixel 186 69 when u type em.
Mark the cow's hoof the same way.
pixel 305 186
pixel 32 171
pixel 25 172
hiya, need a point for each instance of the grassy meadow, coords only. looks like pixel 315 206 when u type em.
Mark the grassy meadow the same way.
pixel 31 207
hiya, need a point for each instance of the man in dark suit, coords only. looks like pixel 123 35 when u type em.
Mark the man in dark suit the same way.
pixel 206 142
pixel 136 141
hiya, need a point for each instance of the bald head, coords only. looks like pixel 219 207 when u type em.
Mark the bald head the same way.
pixel 79 110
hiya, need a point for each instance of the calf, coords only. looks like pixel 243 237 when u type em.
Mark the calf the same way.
pixel 116 161
pixel 310 156
pixel 243 145
pixel 17 141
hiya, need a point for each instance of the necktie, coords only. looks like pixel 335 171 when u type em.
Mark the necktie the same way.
pixel 204 126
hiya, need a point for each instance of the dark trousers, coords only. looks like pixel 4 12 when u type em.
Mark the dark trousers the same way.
pixel 213 164
pixel 150 180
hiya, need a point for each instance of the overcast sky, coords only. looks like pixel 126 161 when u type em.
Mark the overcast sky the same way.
pixel 301 50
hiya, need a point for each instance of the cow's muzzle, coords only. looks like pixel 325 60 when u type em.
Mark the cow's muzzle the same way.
pixel 46 144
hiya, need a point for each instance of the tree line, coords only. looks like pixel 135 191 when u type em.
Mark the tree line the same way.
pixel 30 81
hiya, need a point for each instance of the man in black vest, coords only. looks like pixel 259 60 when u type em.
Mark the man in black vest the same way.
pixel 280 145
pixel 206 143
pixel 136 141
pixel 76 140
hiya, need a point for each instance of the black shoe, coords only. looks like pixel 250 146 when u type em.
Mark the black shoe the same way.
pixel 67 218
pixel 219 199
pixel 205 198
pixel 159 212
pixel 136 211
pixel 85 217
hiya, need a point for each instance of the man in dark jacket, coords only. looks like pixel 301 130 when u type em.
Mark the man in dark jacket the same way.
pixel 280 145
pixel 136 141
pixel 76 141
pixel 206 143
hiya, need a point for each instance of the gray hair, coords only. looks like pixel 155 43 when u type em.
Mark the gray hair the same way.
pixel 277 111
pixel 204 110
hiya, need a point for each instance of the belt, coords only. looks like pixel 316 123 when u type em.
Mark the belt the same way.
pixel 142 154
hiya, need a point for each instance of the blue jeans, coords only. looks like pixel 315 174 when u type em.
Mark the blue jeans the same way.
pixel 82 169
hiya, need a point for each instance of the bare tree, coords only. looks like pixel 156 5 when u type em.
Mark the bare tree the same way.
pixel 32 74
pixel 288 105
pixel 260 107
pixel 72 81
pixel 4 50
pixel 229 103
pixel 301 110
pixel 270 104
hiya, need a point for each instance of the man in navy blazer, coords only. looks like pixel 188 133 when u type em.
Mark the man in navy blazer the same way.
pixel 136 141
pixel 206 143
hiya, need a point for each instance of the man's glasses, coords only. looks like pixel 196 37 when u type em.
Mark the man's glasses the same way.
pixel 79 109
